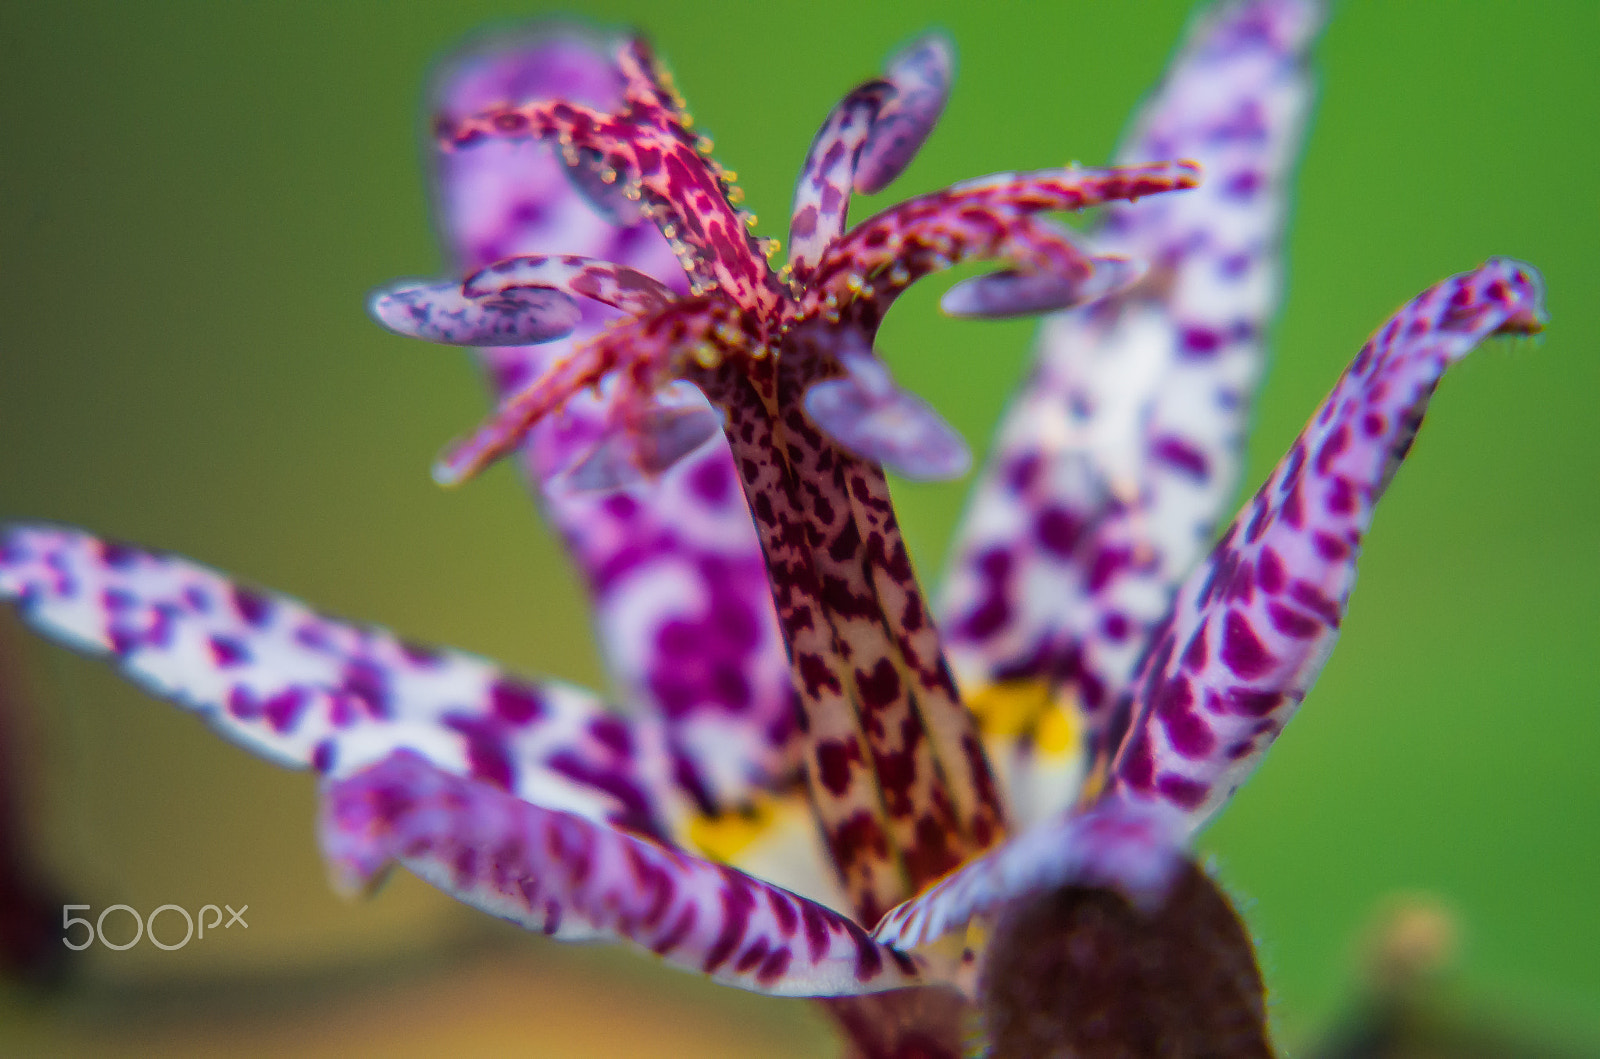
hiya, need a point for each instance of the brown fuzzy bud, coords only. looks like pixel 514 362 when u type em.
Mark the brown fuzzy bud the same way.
pixel 1082 973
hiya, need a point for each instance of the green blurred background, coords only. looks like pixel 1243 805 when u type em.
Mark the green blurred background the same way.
pixel 197 197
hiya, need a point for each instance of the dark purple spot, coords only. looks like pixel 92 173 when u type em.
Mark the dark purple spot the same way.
pixel 1058 531
pixel 1341 496
pixel 816 925
pixel 1138 767
pixel 1194 655
pixel 712 481
pixel 1176 452
pixel 1200 341
pixel 613 734
pixel 251 606
pixel 1242 651
pixel 879 688
pixel 1243 185
pixel 283 710
pixel 1330 547
pixel 118 556
pixel 833 767
pixel 1182 791
pixel 736 906
pixel 1107 563
pixel 1244 702
pixel 226 651
pixel 1310 596
pixel 514 703
pixel 1292 622
pixel 869 961
pixel 750 957
pixel 775 966
pixel 366 683
pixel 324 756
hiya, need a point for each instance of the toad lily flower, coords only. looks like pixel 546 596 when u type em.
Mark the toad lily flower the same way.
pixel 710 436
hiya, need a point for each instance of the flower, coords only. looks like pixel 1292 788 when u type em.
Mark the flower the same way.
pixel 538 803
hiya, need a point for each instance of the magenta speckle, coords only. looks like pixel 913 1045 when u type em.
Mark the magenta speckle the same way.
pixel 1242 651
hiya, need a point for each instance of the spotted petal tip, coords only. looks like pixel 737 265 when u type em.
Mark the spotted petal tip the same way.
pixel 921 76
pixel 441 312
pixel 1251 628
pixel 1016 293
pixel 671 425
pixel 865 411
pixel 574 879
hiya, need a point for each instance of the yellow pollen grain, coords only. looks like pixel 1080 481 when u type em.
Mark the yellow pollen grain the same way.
pixel 704 144
pixel 706 355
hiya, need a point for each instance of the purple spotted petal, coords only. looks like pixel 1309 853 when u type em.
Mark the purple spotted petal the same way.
pixel 867 140
pixel 865 411
pixel 568 877
pixel 304 690
pixel 681 597
pixel 1114 463
pixel 921 76
pixel 822 192
pixel 1014 293
pixel 1251 628
pixel 1115 844
pixel 440 312
pixel 677 422
pixel 603 281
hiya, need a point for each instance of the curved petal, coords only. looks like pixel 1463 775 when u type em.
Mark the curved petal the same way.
pixel 867 140
pixel 441 312
pixel 1126 442
pixel 992 217
pixel 573 879
pixel 1251 628
pixel 1116 844
pixel 865 411
pixel 610 284
pixel 920 75
pixel 304 690
pixel 671 562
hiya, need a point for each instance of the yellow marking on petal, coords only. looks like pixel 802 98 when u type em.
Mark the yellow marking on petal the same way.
pixel 1008 709
pixel 1057 733
pixel 724 837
